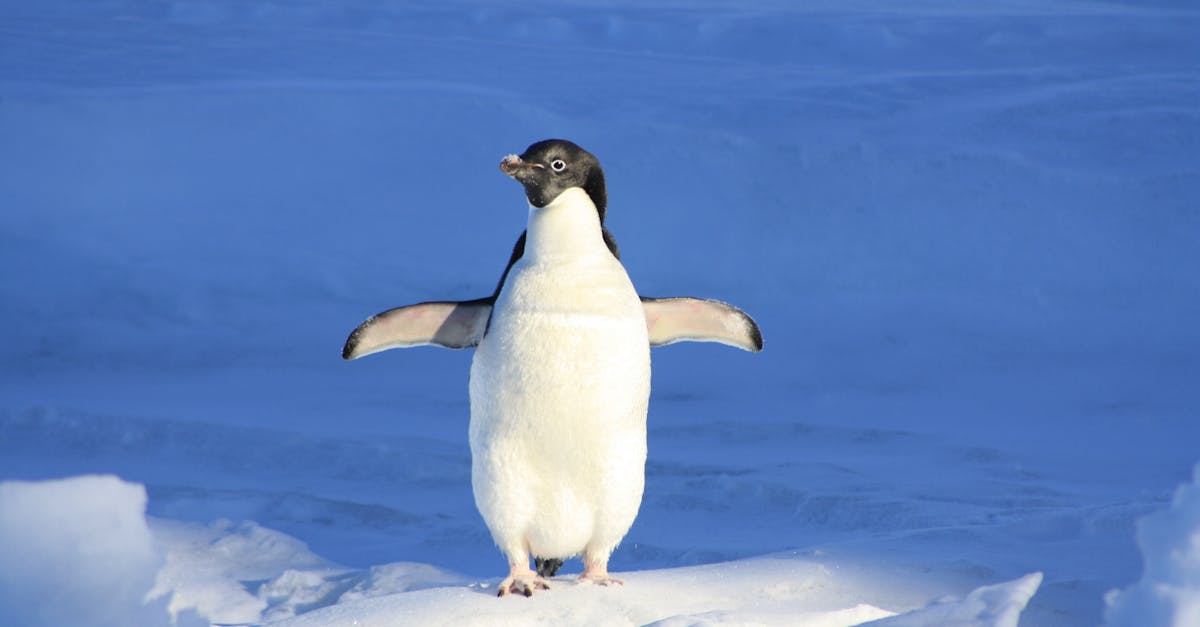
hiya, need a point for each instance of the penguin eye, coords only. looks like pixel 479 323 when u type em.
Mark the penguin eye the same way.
pixel 558 165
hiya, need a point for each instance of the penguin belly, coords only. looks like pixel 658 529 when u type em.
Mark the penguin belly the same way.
pixel 559 389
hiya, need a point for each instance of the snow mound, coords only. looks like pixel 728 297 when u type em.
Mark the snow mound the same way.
pixel 399 577
pixel 1169 591
pixel 998 605
pixel 76 552
pixel 805 591
pixel 232 573
pixel 242 573
pixel 81 551
pixel 765 591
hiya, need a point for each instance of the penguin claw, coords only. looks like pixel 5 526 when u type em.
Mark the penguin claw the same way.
pixel 604 580
pixel 524 585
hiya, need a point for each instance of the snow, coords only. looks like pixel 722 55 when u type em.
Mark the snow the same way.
pixel 76 552
pixel 969 234
pixel 998 605
pixel 239 573
pixel 207 567
pixel 760 591
pixel 1168 593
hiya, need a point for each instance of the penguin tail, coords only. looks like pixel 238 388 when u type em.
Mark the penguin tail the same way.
pixel 547 567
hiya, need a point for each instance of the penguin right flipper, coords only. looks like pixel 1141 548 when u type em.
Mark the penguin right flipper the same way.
pixel 684 319
pixel 448 324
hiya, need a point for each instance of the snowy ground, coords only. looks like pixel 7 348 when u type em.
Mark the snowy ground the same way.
pixel 971 235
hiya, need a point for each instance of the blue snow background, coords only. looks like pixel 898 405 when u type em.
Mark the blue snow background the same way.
pixel 970 234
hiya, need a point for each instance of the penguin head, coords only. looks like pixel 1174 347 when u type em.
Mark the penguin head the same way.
pixel 552 166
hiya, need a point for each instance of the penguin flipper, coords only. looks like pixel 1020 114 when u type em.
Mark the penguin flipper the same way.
pixel 448 324
pixel 683 319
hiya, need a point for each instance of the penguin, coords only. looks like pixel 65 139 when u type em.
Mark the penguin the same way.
pixel 560 380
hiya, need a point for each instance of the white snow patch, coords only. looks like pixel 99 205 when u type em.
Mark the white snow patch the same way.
pixel 777 614
pixel 240 572
pixel 76 552
pixel 400 577
pixel 762 591
pixel 80 551
pixel 998 605
pixel 1169 590
pixel 808 591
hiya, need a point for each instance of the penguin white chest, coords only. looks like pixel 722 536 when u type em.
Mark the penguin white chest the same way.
pixel 559 390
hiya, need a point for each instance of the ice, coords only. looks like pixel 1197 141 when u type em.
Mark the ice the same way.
pixel 237 573
pixel 77 552
pixel 997 605
pixel 1168 594
pixel 779 590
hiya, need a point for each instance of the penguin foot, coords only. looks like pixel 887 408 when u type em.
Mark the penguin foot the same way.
pixel 597 573
pixel 523 583
pixel 606 580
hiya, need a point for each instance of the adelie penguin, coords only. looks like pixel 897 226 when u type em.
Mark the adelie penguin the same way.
pixel 560 379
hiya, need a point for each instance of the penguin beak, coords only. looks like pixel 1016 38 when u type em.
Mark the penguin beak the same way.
pixel 514 166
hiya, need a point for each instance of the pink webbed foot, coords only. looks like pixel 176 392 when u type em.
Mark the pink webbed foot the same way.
pixel 606 580
pixel 524 583
pixel 597 573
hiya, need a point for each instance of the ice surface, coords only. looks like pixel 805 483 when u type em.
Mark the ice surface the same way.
pixel 76 552
pixel 1168 594
pixel 209 571
pixel 997 605
pixel 768 591
pixel 969 234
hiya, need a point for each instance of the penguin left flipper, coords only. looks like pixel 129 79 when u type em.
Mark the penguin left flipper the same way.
pixel 683 319
pixel 448 324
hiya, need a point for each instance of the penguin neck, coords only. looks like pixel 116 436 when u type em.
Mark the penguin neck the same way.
pixel 569 226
